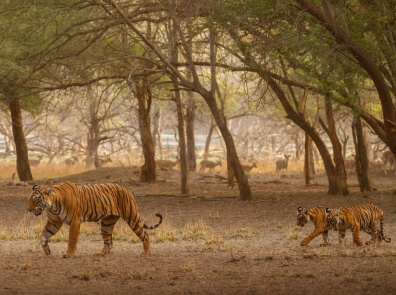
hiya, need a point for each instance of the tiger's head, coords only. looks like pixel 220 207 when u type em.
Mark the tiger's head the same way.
pixel 38 199
pixel 302 216
pixel 332 218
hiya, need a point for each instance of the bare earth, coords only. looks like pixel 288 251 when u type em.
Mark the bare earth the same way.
pixel 238 247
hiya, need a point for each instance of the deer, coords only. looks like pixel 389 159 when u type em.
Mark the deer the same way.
pixel 350 163
pixel 388 157
pixel 166 164
pixel 71 161
pixel 248 168
pixel 282 164
pixel 209 164
pixel 34 162
pixel 105 160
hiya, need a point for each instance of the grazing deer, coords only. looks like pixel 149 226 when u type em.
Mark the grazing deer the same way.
pixel 71 161
pixel 105 160
pixel 350 163
pixel 388 157
pixel 209 164
pixel 34 162
pixel 247 168
pixel 166 164
pixel 282 164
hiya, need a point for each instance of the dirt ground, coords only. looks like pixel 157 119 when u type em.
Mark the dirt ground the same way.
pixel 211 242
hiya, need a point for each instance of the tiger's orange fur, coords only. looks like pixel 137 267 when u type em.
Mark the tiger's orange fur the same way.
pixel 72 204
pixel 368 218
pixel 318 216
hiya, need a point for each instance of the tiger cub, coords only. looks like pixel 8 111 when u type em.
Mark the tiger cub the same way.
pixel 72 204
pixel 368 218
pixel 318 216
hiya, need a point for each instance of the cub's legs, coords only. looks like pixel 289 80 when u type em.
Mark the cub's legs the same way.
pixel 74 231
pixel 53 225
pixel 313 235
pixel 107 226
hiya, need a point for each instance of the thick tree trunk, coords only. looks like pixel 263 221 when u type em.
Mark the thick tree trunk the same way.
pixel 307 160
pixel 337 148
pixel 362 163
pixel 22 158
pixel 192 161
pixel 184 174
pixel 143 95
pixel 208 139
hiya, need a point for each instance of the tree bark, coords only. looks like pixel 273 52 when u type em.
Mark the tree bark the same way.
pixel 192 161
pixel 144 98
pixel 208 139
pixel 22 158
pixel 337 148
pixel 362 163
pixel 307 160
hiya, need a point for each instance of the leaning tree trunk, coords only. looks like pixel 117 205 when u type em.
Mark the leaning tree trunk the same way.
pixel 144 98
pixel 337 148
pixel 362 163
pixel 22 158
pixel 208 139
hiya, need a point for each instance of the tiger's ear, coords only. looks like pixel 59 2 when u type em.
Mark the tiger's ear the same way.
pixel 328 210
pixel 48 190
pixel 299 209
pixel 36 187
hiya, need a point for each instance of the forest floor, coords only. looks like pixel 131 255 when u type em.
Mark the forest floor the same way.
pixel 210 242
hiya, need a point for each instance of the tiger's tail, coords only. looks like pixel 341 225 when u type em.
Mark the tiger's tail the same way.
pixel 382 231
pixel 145 226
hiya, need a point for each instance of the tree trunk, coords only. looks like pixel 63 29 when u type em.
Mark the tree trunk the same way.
pixel 307 160
pixel 22 158
pixel 144 98
pixel 337 148
pixel 362 163
pixel 156 121
pixel 192 161
pixel 208 139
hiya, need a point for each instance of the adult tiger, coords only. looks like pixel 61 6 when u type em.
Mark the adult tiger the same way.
pixel 368 218
pixel 71 204
pixel 318 216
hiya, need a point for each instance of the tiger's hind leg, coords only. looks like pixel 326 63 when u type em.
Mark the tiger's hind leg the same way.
pixel 106 229
pixel 138 229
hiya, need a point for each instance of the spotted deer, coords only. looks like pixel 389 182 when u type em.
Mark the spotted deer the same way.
pixel 34 162
pixel 105 160
pixel 71 161
pixel 282 164
pixel 209 164
pixel 248 168
pixel 166 164
pixel 388 157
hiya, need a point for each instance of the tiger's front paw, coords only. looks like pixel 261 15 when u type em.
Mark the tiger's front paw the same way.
pixel 324 244
pixel 304 243
pixel 358 243
pixel 67 255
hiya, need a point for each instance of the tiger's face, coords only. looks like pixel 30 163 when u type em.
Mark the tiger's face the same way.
pixel 302 216
pixel 38 200
pixel 333 218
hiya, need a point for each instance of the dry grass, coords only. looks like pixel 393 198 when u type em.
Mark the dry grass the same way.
pixel 42 171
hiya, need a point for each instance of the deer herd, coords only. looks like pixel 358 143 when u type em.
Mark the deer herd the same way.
pixel 281 165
